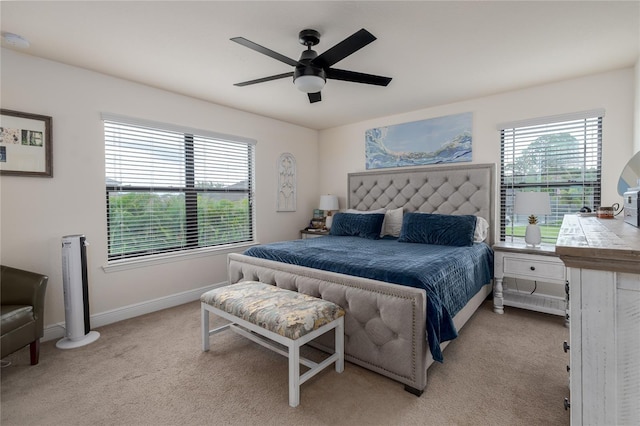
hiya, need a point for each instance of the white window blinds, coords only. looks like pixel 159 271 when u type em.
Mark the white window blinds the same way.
pixel 171 189
pixel 558 155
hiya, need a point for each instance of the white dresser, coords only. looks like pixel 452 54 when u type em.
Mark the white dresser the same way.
pixel 603 260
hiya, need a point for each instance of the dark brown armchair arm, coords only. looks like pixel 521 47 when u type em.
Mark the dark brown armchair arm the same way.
pixel 19 287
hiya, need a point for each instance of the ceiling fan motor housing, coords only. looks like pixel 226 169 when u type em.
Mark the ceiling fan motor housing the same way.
pixel 309 70
pixel 305 67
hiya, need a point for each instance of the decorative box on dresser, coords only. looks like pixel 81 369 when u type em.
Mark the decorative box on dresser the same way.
pixel 603 261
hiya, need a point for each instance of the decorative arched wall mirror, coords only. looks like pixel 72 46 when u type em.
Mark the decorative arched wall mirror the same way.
pixel 630 176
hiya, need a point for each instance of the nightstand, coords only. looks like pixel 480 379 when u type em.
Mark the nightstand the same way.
pixel 304 233
pixel 529 263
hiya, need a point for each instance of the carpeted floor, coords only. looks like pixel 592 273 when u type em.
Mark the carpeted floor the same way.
pixel 502 370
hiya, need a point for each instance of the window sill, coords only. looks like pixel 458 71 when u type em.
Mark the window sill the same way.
pixel 123 265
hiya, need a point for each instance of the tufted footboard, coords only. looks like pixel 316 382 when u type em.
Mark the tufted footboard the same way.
pixel 384 323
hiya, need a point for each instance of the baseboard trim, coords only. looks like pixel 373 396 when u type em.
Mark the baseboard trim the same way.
pixel 57 331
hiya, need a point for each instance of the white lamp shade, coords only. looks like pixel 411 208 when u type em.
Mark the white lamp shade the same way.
pixel 532 203
pixel 328 202
pixel 309 83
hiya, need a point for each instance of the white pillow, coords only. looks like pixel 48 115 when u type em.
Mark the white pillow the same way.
pixel 481 231
pixel 392 222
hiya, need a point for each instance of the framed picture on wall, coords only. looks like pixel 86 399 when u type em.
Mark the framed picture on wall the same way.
pixel 436 140
pixel 25 144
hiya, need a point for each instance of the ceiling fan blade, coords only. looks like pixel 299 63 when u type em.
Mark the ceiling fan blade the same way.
pixel 261 49
pixel 346 47
pixel 314 97
pixel 263 79
pixel 357 77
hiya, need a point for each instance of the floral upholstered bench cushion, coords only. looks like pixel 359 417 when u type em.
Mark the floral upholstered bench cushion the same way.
pixel 287 313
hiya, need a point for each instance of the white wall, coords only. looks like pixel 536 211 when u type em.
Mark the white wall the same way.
pixel 36 212
pixel 636 116
pixel 342 148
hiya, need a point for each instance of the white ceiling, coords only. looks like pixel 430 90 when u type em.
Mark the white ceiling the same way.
pixel 436 52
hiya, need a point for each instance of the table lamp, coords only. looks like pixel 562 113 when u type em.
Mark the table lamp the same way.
pixel 328 203
pixel 532 204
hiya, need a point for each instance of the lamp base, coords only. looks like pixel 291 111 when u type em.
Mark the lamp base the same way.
pixel 328 222
pixel 533 236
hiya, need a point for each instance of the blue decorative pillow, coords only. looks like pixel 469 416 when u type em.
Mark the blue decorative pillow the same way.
pixel 357 225
pixel 440 229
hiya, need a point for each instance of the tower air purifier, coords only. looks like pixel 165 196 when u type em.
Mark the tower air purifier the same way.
pixel 76 294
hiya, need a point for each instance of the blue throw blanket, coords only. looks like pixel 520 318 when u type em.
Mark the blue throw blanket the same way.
pixel 451 276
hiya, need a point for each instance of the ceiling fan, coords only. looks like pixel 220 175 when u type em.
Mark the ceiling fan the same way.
pixel 312 70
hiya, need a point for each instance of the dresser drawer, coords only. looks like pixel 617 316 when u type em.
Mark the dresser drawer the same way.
pixel 534 269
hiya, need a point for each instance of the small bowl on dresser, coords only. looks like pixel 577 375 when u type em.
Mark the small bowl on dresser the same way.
pixel 605 212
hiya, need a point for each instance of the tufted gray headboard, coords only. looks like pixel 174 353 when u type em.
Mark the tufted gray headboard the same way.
pixel 459 189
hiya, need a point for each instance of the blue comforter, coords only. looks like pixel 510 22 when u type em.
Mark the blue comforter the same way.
pixel 450 275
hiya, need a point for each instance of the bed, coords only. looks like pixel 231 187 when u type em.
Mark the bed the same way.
pixel 386 323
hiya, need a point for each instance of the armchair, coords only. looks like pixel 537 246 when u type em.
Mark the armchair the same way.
pixel 22 310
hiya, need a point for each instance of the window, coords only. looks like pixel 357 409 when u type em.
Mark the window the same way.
pixel 558 155
pixel 172 189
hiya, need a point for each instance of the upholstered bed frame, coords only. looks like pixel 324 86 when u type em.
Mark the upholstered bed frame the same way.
pixel 385 323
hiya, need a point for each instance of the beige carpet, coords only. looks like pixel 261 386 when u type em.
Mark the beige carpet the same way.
pixel 502 370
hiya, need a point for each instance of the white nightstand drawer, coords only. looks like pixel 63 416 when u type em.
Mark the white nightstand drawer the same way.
pixel 534 269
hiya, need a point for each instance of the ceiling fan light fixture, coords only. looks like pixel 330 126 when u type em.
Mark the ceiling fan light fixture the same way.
pixel 309 83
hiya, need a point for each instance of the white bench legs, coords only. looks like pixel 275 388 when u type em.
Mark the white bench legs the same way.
pixel 287 347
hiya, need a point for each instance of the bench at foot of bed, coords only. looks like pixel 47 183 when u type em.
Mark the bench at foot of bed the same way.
pixel 269 316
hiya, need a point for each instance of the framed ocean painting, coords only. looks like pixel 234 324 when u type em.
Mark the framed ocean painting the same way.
pixel 434 141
